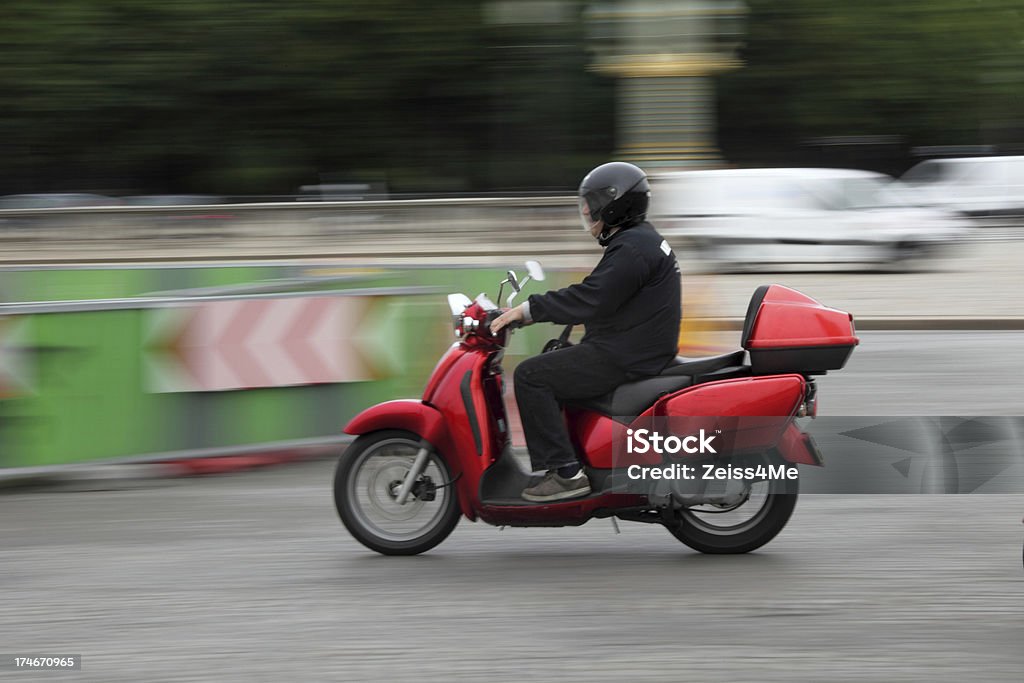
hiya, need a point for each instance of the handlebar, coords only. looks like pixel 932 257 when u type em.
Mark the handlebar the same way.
pixel 491 315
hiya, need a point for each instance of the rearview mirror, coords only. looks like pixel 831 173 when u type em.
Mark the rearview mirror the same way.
pixel 513 280
pixel 535 271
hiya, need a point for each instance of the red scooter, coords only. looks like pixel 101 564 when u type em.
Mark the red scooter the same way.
pixel 418 464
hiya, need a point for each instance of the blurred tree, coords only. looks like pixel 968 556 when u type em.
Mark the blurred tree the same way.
pixel 259 97
pixel 251 96
pixel 931 71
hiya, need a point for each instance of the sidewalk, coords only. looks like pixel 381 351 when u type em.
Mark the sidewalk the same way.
pixel 987 282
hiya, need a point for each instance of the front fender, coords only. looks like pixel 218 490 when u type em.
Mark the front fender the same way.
pixel 409 414
pixel 423 420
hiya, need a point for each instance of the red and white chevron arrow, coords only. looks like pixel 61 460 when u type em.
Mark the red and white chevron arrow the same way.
pixel 251 343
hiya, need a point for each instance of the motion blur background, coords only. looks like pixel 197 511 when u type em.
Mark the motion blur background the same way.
pixel 227 227
pixel 258 99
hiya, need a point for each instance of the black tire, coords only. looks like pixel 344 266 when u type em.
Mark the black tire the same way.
pixel 354 517
pixel 765 525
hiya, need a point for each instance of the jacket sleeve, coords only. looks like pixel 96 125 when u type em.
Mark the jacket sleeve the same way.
pixel 618 276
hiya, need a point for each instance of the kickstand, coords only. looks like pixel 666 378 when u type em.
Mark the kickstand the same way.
pixel 615 525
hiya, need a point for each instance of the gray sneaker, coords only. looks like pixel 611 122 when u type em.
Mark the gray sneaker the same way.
pixel 553 487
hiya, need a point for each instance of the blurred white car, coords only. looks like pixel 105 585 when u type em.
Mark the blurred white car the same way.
pixel 737 218
pixel 979 186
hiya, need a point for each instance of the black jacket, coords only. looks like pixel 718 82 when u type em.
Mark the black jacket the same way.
pixel 630 303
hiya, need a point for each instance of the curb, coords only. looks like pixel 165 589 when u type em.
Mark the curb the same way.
pixel 949 323
pixel 892 323
pixel 137 469
pixel 229 464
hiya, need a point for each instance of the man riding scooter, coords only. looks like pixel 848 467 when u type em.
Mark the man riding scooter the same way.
pixel 418 465
pixel 630 304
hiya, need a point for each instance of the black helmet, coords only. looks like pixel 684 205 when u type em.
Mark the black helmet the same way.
pixel 616 193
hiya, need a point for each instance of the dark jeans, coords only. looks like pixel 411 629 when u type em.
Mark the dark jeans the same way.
pixel 543 382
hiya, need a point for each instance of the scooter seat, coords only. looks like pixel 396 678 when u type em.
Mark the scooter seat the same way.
pixel 702 366
pixel 628 400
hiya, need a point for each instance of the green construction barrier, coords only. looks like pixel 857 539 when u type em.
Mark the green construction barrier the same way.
pixel 75 374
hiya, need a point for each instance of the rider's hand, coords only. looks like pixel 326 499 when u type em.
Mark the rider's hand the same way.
pixel 512 315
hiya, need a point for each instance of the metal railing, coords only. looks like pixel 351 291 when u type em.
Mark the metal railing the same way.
pixel 266 228
pixel 399 228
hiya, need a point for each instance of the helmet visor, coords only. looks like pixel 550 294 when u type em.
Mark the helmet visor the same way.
pixel 590 211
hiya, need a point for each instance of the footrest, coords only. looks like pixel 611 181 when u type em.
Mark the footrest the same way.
pixel 508 502
pixel 519 502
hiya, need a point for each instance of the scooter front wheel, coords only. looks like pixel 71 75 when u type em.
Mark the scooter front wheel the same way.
pixel 747 527
pixel 366 485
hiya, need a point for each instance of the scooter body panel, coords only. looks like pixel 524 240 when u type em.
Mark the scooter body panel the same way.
pixel 752 414
pixel 471 428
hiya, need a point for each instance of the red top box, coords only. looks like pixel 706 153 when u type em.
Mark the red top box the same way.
pixel 787 331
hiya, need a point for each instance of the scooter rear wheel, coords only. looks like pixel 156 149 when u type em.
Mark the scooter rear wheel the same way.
pixel 720 533
pixel 365 483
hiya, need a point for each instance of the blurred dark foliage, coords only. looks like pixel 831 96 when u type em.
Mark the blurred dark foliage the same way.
pixel 249 96
pixel 257 97
pixel 890 76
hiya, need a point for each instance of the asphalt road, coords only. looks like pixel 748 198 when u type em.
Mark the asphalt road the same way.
pixel 252 577
pixel 929 373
